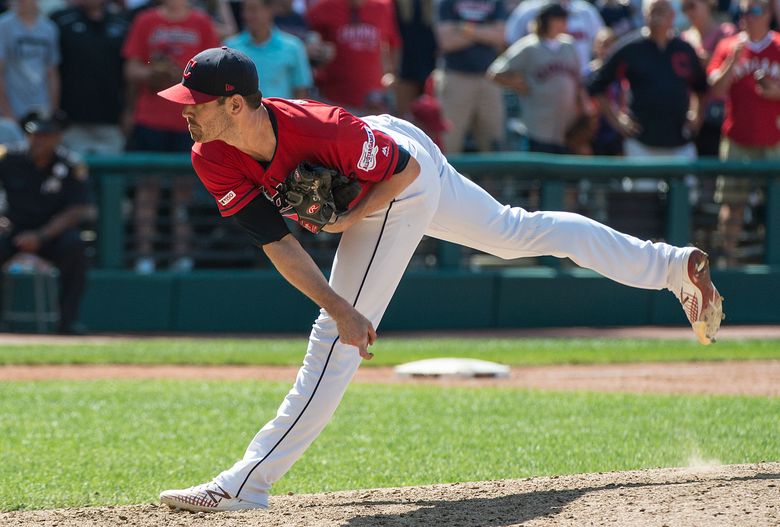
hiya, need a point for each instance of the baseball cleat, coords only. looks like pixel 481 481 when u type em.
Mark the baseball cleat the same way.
pixel 208 497
pixel 701 302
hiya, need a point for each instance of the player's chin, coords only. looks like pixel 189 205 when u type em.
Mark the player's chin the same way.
pixel 196 133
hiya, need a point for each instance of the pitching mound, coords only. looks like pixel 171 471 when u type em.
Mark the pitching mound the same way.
pixel 735 495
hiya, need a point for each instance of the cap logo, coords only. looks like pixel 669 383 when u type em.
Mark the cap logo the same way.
pixel 229 87
pixel 190 66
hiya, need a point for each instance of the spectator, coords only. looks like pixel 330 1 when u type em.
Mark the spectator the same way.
pixel 583 24
pixel 470 37
pixel 29 56
pixel 745 68
pixel 544 70
pixel 291 21
pixel 366 38
pixel 418 51
pixel 221 15
pixel 704 34
pixel 160 42
pixel 47 201
pixel 91 36
pixel 617 15
pixel 664 74
pixel 220 12
pixel 607 141
pixel 281 57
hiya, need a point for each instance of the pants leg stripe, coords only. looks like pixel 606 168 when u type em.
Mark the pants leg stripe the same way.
pixel 325 367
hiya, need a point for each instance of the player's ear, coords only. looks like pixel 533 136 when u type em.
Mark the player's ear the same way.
pixel 235 104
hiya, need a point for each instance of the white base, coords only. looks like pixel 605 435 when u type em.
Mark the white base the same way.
pixel 452 367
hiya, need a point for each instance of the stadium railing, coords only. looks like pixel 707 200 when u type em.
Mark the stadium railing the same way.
pixel 534 181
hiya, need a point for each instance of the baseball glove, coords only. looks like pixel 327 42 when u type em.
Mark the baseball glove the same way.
pixel 319 194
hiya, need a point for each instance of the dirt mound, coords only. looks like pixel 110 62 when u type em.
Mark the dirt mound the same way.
pixel 705 495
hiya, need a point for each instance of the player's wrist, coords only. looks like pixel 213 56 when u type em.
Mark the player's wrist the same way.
pixel 339 308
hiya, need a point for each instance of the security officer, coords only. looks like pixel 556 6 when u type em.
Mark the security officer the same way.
pixel 48 199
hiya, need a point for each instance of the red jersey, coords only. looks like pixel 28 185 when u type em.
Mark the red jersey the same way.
pixel 305 131
pixel 153 37
pixel 751 120
pixel 359 35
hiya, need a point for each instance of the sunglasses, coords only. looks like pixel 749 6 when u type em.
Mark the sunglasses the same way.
pixel 754 10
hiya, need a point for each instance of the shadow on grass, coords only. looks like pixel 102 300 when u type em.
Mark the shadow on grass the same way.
pixel 503 510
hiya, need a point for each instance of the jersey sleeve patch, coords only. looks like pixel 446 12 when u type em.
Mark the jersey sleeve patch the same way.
pixel 370 154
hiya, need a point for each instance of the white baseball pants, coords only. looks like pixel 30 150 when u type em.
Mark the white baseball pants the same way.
pixel 372 257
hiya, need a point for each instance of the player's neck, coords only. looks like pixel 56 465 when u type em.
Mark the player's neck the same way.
pixel 255 136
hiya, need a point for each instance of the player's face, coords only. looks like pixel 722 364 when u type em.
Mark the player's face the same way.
pixel 206 122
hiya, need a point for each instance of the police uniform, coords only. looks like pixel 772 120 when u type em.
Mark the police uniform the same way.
pixel 34 197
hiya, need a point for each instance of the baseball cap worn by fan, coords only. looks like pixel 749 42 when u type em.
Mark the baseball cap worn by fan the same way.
pixel 214 73
pixel 44 123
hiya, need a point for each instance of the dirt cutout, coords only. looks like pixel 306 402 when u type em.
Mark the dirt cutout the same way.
pixel 712 496
pixel 757 378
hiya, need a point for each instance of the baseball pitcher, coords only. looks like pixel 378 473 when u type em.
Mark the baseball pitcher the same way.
pixel 383 184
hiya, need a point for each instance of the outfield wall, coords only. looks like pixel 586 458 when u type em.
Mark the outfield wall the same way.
pixel 261 301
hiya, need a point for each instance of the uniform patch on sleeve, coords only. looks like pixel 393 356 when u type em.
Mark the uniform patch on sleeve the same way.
pixel 367 160
pixel 227 198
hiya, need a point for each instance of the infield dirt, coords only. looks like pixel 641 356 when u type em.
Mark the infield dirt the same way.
pixel 712 496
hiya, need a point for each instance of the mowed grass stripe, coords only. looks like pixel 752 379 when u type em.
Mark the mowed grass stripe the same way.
pixel 68 444
pixel 391 351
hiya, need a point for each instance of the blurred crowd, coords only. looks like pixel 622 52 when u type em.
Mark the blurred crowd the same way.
pixel 637 78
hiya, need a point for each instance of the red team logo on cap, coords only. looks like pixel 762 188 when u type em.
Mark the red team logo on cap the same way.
pixel 190 66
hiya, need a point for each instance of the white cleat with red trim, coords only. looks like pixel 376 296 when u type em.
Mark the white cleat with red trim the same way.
pixel 701 302
pixel 208 497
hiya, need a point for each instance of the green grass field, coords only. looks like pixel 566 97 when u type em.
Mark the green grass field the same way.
pixel 114 442
pixel 389 351
pixel 111 442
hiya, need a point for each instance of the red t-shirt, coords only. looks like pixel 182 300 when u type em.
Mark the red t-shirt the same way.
pixel 359 37
pixel 153 36
pixel 305 131
pixel 751 120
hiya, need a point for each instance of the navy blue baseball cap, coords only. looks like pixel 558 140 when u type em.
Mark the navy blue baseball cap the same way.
pixel 214 73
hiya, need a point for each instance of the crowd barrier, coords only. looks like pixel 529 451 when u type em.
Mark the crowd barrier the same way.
pixel 443 289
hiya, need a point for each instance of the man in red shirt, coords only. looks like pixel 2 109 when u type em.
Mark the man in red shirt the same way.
pixel 366 38
pixel 160 42
pixel 745 69
pixel 245 148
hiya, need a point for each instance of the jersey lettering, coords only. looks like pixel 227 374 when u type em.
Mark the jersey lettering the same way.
pixel 227 198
